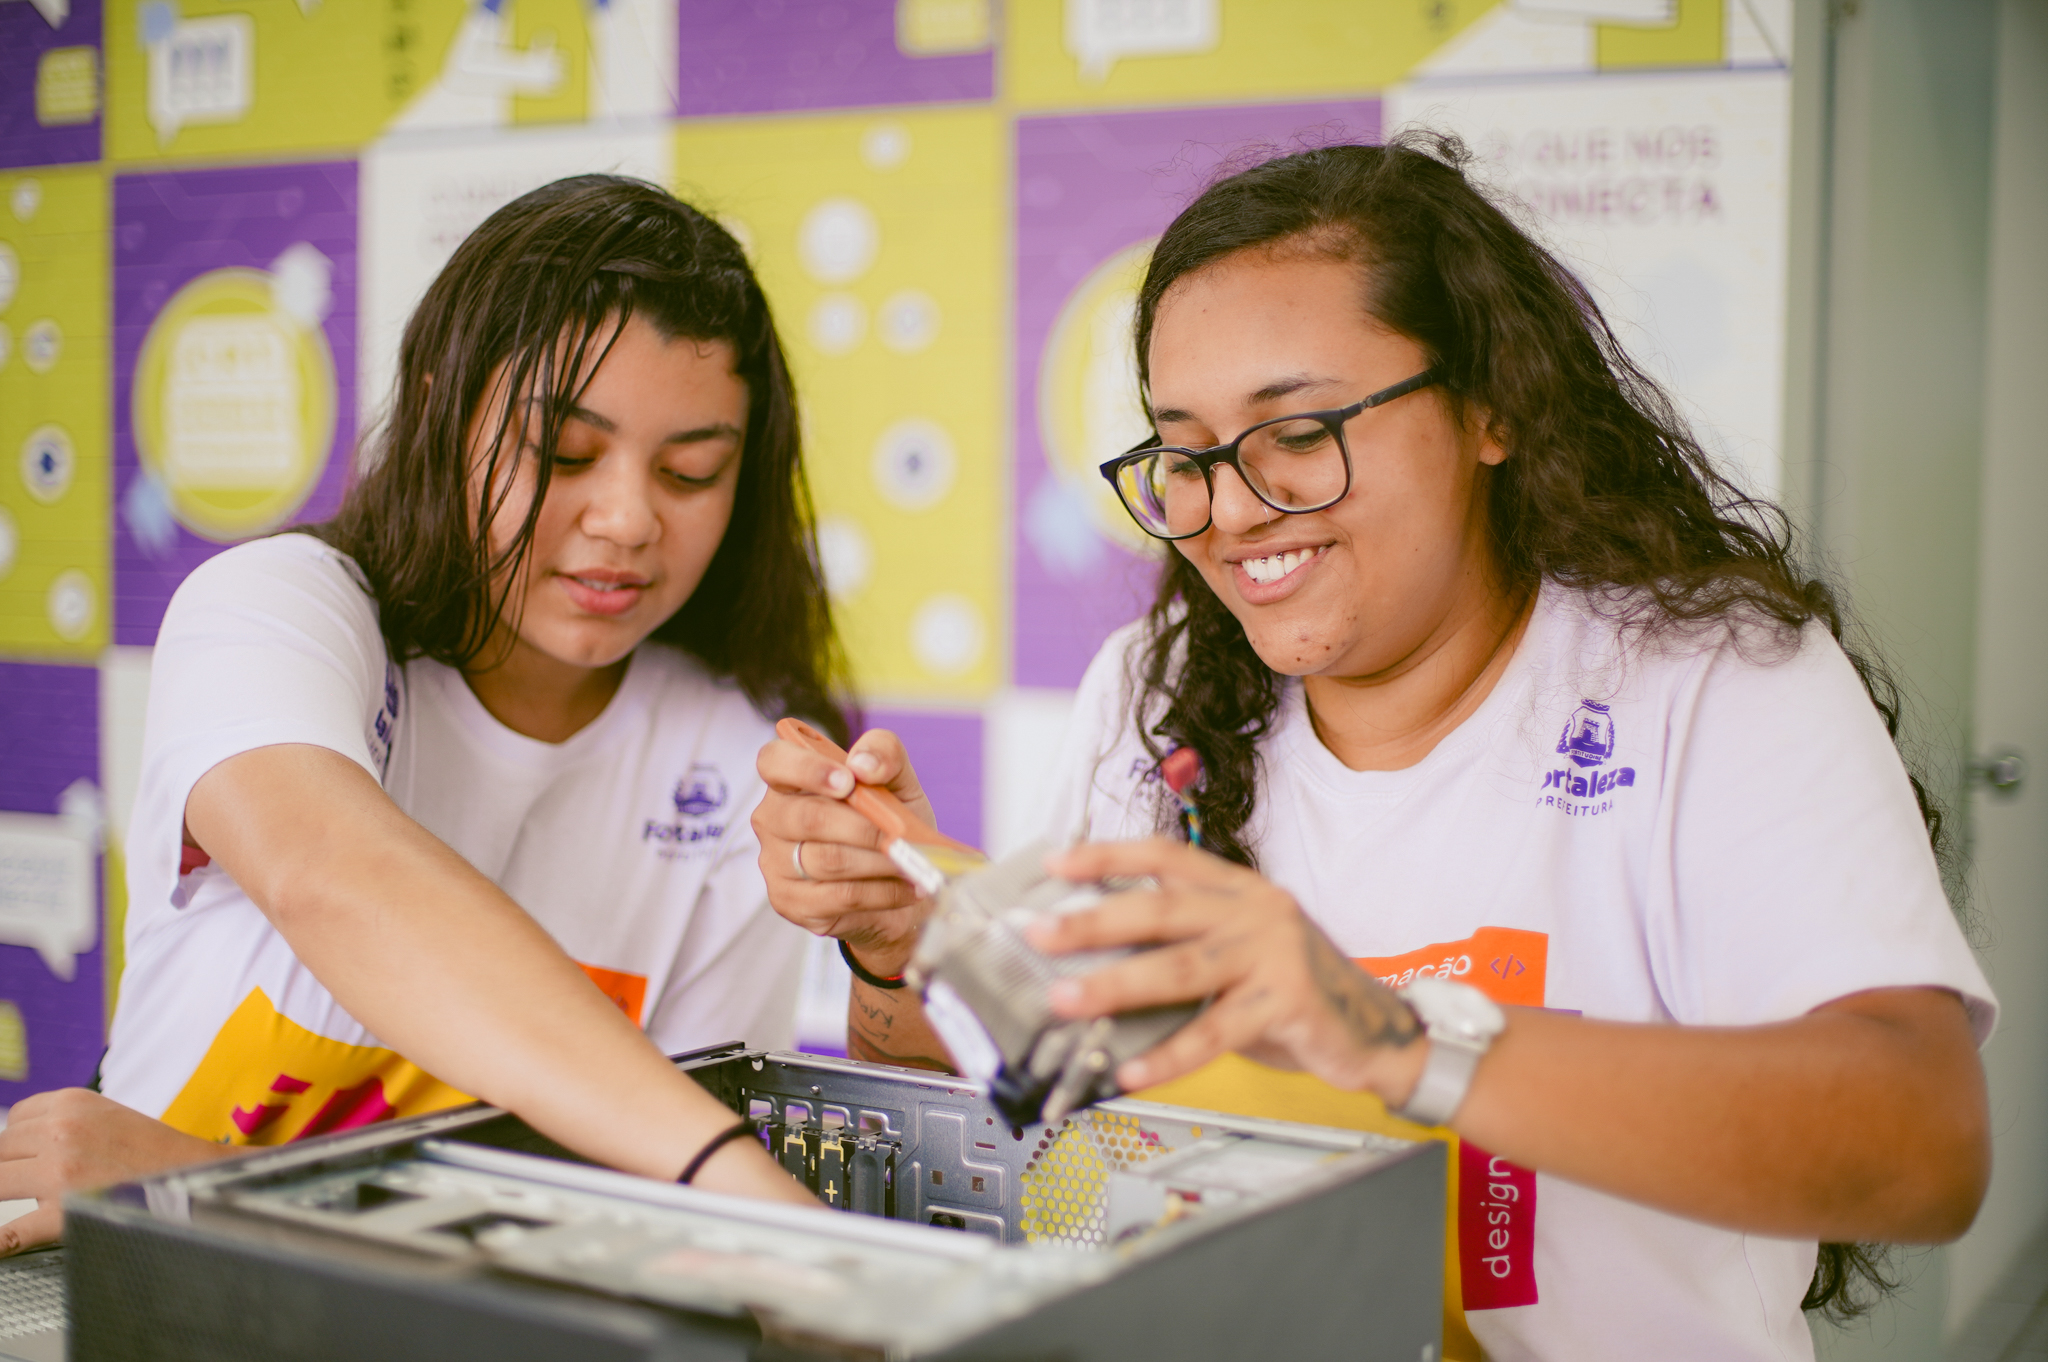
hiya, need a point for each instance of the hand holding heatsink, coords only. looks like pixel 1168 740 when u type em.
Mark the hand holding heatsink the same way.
pixel 986 990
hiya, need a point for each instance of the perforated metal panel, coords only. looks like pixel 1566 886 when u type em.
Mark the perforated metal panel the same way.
pixel 1066 1178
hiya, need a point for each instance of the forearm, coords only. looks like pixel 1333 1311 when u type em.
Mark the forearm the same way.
pixel 888 1025
pixel 1854 1122
pixel 443 967
pixel 475 992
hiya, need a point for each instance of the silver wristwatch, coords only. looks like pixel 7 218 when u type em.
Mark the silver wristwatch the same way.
pixel 1461 1023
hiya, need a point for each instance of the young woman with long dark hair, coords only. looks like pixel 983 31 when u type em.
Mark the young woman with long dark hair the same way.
pixel 1503 695
pixel 447 796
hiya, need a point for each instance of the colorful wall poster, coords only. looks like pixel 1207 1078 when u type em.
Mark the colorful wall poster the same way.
pixel 51 999
pixel 234 366
pixel 1582 37
pixel 879 241
pixel 745 56
pixel 1093 193
pixel 224 78
pixel 49 82
pixel 1667 193
pixel 54 566
pixel 421 197
pixel 1109 53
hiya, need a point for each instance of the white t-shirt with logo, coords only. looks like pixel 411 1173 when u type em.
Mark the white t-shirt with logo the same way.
pixel 629 843
pixel 1714 831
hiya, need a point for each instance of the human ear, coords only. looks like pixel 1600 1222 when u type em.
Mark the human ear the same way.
pixel 1482 433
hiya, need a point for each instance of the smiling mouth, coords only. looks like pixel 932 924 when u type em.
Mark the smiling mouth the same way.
pixel 1265 571
pixel 594 584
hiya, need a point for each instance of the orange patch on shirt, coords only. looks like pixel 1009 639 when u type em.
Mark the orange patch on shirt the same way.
pixel 628 991
pixel 1504 963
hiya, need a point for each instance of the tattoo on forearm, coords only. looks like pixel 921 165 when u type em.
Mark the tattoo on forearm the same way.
pixel 1368 1008
pixel 871 1035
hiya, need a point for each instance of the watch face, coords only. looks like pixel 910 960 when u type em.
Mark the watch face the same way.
pixel 1456 1009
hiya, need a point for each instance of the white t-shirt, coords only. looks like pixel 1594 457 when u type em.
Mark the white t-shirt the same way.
pixel 1694 832
pixel 630 843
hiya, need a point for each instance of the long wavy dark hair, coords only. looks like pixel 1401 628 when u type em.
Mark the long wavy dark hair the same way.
pixel 1605 488
pixel 543 288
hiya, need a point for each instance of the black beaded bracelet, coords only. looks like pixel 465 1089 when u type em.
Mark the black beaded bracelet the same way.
pixel 864 974
pixel 718 1142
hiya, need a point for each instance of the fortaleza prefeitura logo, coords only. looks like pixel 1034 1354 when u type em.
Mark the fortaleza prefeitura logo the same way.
pixel 698 798
pixel 1588 742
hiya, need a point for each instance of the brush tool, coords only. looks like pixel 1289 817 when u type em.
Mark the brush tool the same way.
pixel 927 857
pixel 985 990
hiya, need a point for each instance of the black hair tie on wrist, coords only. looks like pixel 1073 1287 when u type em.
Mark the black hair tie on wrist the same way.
pixel 718 1142
pixel 864 974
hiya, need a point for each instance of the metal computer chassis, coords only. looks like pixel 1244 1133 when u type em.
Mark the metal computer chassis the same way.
pixel 1130 1230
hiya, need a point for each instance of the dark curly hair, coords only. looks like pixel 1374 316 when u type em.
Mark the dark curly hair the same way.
pixel 544 287
pixel 1605 489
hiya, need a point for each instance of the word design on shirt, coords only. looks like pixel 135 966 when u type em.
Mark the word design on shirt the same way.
pixel 698 798
pixel 1493 1245
pixel 1587 742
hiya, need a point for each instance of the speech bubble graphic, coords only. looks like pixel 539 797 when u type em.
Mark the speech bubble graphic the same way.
pixel 201 71
pixel 1100 33
pixel 54 12
pixel 48 889
pixel 1643 13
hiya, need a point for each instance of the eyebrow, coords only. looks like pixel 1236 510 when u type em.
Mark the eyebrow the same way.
pixel 717 430
pixel 1278 388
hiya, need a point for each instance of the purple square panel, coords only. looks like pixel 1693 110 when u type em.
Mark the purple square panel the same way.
pixel 49 737
pixel 760 56
pixel 945 749
pixel 169 229
pixel 1090 187
pixel 26 41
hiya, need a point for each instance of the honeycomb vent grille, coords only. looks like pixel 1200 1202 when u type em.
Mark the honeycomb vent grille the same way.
pixel 1066 1179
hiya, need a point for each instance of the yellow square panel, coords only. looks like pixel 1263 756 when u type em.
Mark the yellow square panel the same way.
pixel 881 240
pixel 1066 54
pixel 228 78
pixel 55 460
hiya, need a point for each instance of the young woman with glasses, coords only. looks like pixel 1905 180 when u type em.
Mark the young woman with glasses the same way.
pixel 447 796
pixel 1541 796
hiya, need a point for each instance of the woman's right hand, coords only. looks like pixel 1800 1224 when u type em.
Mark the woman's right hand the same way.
pixel 848 887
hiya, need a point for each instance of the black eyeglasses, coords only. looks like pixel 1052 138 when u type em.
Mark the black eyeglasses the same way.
pixel 1294 464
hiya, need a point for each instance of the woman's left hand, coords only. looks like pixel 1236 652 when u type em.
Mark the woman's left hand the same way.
pixel 1280 991
pixel 70 1140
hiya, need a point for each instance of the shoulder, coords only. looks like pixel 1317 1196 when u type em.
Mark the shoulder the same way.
pixel 1103 770
pixel 1737 689
pixel 1104 705
pixel 280 573
pixel 1624 640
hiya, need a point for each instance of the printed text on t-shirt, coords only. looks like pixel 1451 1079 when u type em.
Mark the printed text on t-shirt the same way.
pixel 1587 742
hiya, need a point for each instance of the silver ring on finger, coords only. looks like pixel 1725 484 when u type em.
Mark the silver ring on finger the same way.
pixel 796 859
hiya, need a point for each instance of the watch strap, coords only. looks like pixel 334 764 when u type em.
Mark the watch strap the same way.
pixel 1446 1075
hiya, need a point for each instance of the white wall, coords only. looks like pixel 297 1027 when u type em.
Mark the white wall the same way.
pixel 2011 833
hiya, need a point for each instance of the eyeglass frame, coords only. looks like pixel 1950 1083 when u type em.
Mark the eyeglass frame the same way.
pixel 1332 420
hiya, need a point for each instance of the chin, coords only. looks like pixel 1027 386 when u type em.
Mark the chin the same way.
pixel 1289 656
pixel 592 649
